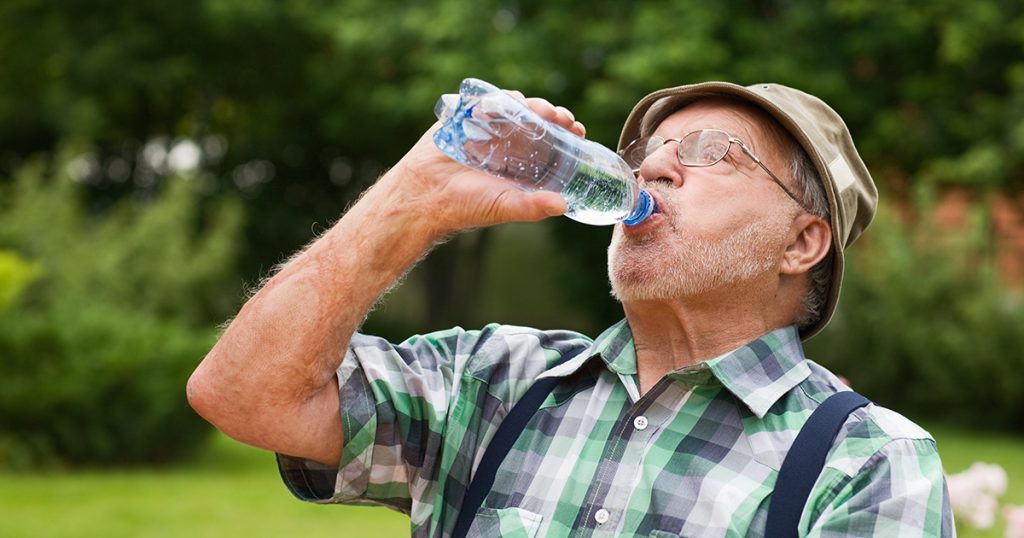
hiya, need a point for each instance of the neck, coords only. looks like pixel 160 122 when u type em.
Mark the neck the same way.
pixel 672 334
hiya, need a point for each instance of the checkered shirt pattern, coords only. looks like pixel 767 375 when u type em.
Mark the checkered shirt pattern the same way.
pixel 697 455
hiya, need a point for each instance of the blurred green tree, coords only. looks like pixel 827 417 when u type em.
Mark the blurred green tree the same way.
pixel 298 105
pixel 16 274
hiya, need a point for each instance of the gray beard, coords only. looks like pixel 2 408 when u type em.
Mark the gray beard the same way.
pixel 642 269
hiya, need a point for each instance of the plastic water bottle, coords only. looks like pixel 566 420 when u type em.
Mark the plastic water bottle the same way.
pixel 488 129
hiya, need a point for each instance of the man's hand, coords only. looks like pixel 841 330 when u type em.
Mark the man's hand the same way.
pixel 270 379
pixel 458 197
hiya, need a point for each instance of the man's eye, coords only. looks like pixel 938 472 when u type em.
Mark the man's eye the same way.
pixel 712 152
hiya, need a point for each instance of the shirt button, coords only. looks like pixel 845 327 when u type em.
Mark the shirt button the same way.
pixel 640 423
pixel 601 516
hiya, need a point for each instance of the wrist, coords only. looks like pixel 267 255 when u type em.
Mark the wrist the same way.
pixel 419 201
pixel 399 200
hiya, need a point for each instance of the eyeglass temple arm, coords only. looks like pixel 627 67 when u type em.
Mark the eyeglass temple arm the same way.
pixel 775 178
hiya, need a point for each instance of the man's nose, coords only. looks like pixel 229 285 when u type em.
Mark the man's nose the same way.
pixel 662 165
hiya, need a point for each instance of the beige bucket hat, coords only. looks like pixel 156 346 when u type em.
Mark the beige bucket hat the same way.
pixel 852 196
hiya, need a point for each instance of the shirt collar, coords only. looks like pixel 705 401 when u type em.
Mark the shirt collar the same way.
pixel 758 373
pixel 614 346
pixel 761 372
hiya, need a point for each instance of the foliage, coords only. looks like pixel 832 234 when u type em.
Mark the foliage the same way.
pixel 924 327
pixel 361 77
pixel 297 105
pixel 15 274
pixel 97 349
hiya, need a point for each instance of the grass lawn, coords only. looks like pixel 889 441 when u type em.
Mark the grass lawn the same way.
pixel 233 490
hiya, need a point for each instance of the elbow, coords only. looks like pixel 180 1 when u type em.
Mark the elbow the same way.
pixel 221 401
pixel 214 398
pixel 200 394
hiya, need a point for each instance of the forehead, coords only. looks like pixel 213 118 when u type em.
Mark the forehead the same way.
pixel 711 115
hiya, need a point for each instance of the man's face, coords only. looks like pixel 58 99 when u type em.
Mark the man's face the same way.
pixel 717 226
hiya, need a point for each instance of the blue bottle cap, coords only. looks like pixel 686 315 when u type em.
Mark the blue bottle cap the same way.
pixel 644 207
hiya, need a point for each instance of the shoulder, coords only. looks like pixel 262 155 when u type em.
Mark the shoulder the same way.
pixel 495 349
pixel 874 436
pixel 882 471
pixel 869 434
pixel 521 352
pixel 492 339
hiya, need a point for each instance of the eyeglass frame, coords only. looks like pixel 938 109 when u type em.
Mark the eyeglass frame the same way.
pixel 731 139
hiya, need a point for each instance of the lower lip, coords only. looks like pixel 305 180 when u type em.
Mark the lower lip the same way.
pixel 644 226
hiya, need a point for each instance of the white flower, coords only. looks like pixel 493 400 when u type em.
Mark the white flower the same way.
pixel 1014 521
pixel 973 494
pixel 991 477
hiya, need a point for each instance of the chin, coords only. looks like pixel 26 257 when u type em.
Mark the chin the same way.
pixel 642 276
pixel 687 266
pixel 636 287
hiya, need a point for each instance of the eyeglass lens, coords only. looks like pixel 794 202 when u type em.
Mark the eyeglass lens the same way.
pixel 703 148
pixel 699 148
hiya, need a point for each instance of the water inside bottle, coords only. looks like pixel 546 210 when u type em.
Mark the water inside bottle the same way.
pixel 596 197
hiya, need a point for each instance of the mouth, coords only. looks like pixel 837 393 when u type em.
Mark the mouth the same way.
pixel 659 206
pixel 652 221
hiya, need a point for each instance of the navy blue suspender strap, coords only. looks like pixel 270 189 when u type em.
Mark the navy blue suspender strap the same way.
pixel 804 462
pixel 504 438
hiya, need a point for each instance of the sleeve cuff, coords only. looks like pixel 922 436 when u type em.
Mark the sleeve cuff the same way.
pixel 315 482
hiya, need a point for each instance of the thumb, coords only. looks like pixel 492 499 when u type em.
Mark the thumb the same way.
pixel 546 204
pixel 514 205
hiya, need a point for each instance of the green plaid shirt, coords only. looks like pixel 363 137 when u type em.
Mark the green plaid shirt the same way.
pixel 697 455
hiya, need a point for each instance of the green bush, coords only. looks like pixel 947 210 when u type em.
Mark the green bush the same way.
pixel 96 384
pixel 924 325
pixel 113 311
pixel 15 274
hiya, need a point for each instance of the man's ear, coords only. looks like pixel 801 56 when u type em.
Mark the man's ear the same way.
pixel 810 241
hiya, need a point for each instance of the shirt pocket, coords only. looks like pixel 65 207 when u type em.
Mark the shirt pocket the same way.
pixel 510 522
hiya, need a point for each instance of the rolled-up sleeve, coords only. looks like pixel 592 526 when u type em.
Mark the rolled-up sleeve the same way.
pixel 418 414
pixel 393 403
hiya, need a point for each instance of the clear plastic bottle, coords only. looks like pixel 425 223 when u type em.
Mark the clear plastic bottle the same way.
pixel 488 129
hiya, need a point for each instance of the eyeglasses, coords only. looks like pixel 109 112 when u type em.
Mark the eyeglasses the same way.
pixel 705 147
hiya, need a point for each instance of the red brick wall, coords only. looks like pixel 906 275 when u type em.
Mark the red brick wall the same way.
pixel 1005 223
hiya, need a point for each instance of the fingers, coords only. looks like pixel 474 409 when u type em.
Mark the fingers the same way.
pixel 515 205
pixel 565 115
pixel 558 115
pixel 517 94
pixel 578 129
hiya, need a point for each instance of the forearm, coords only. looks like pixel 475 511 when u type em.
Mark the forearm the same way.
pixel 269 381
pixel 275 363
pixel 305 315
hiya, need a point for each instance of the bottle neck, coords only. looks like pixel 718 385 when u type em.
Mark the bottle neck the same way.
pixel 644 207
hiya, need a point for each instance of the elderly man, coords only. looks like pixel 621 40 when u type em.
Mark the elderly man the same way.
pixel 673 422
